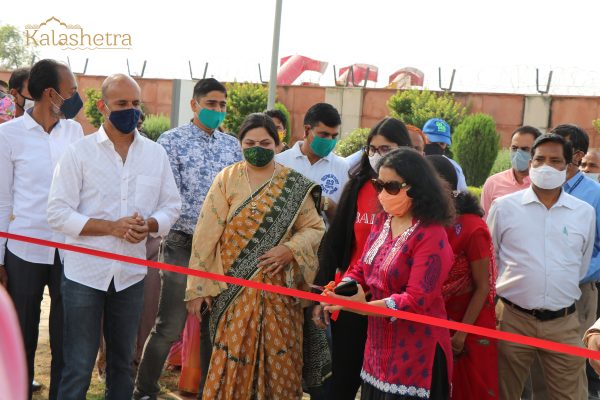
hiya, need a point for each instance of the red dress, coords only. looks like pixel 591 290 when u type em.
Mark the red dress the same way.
pixel 476 369
pixel 409 270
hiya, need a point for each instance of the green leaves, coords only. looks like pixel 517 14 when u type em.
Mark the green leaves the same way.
pixel 247 98
pixel 415 107
pixel 244 99
pixel 155 125
pixel 475 145
pixel 352 142
pixel 90 109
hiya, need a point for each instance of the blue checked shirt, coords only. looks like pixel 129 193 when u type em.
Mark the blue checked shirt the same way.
pixel 587 190
pixel 196 158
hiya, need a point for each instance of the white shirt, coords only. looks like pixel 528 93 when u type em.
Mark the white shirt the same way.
pixel 541 254
pixel 330 172
pixel 91 181
pixel 461 185
pixel 28 155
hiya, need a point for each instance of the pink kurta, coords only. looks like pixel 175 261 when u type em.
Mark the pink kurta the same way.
pixel 410 270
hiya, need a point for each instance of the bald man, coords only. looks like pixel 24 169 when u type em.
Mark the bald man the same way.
pixel 109 192
pixel 590 165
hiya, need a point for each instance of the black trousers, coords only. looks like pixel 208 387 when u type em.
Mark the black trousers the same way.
pixel 26 282
pixel 349 334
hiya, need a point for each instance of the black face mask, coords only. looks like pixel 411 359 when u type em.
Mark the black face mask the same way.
pixel 432 149
pixel 71 106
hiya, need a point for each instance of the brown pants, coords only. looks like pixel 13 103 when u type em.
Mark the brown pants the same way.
pixel 586 312
pixel 562 372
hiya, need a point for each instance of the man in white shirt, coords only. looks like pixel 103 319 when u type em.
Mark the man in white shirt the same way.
pixel 313 157
pixel 109 191
pixel 30 147
pixel 544 239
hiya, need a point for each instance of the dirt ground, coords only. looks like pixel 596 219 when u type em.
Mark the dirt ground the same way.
pixel 96 391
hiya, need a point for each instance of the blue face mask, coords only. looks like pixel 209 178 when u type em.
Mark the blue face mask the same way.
pixel 322 147
pixel 71 106
pixel 125 120
pixel 519 159
pixel 210 118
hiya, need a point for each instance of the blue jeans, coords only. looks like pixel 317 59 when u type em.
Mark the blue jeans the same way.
pixel 83 310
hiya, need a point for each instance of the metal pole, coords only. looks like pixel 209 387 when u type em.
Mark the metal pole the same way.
pixel 274 56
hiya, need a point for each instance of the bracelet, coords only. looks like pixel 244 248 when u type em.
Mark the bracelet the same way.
pixel 391 304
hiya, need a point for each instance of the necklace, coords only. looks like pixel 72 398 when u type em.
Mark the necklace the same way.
pixel 253 200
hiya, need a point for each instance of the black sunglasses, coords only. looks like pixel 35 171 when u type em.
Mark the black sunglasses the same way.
pixel 392 187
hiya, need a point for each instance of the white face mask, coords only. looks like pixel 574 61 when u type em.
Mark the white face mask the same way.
pixel 546 177
pixel 374 160
pixel 592 175
pixel 28 104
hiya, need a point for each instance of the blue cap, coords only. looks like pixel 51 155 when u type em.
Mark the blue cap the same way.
pixel 437 131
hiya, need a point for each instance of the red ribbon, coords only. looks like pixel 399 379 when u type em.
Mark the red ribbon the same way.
pixel 423 319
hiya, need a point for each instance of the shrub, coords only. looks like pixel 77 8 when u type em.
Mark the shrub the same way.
pixel 155 125
pixel 352 142
pixel 596 124
pixel 244 99
pixel 475 191
pixel 475 146
pixel 90 109
pixel 415 107
pixel 502 162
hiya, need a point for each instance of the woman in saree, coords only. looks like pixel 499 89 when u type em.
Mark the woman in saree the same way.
pixel 404 263
pixel 469 293
pixel 259 222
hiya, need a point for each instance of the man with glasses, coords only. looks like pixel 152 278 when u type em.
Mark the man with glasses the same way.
pixel 517 177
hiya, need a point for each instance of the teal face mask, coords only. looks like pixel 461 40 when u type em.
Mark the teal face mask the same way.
pixel 210 118
pixel 322 147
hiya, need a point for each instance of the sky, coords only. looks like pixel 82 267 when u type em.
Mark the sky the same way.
pixel 495 46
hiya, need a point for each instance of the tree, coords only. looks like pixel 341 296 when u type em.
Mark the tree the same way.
pixel 475 144
pixel 415 107
pixel 244 99
pixel 13 51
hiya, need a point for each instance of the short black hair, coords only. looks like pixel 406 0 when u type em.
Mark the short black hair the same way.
pixel 207 85
pixel 432 203
pixel 43 75
pixel 18 78
pixel 527 130
pixel 3 84
pixel 578 137
pixel 275 113
pixel 322 112
pixel 464 202
pixel 258 120
pixel 554 138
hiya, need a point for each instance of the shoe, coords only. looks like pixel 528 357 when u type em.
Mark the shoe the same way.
pixel 36 386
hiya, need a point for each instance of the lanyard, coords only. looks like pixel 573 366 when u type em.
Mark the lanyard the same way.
pixel 575 184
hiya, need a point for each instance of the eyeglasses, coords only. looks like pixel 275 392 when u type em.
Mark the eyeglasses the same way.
pixel 382 150
pixel 392 187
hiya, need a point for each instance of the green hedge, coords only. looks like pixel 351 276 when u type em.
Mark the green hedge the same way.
pixel 352 142
pixel 155 125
